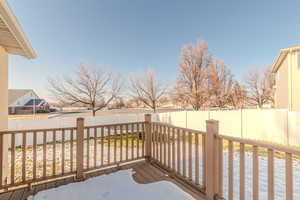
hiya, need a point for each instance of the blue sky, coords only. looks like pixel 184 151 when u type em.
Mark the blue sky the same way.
pixel 133 35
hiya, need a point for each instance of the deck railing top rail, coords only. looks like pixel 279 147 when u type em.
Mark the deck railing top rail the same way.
pixel 276 147
pixel 181 128
pixel 67 128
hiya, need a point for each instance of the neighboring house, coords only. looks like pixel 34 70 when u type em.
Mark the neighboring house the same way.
pixel 287 69
pixel 25 102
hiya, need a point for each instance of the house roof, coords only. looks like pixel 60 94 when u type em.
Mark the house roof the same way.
pixel 15 94
pixel 12 38
pixel 33 102
pixel 282 55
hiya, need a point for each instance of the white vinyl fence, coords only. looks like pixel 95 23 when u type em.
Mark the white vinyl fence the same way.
pixel 67 122
pixel 273 125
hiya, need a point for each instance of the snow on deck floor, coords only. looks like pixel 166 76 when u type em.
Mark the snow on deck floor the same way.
pixel 114 186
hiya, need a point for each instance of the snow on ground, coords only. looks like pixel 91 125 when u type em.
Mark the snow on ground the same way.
pixel 115 186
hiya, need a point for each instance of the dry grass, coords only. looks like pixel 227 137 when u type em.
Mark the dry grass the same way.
pixel 31 116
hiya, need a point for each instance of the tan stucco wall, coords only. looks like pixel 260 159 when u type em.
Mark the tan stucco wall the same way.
pixel 281 92
pixel 3 106
pixel 295 83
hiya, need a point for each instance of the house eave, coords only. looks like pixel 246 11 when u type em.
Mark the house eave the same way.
pixel 282 55
pixel 23 47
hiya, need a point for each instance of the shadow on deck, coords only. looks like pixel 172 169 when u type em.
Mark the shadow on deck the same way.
pixel 142 173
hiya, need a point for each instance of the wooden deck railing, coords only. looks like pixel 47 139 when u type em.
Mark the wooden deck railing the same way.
pixel 180 151
pixel 256 149
pixel 38 155
pixel 195 157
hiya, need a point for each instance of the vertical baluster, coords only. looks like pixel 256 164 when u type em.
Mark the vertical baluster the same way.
pixel 203 161
pixel 71 149
pixel 115 144
pixel 221 167
pixel 34 156
pixel 13 157
pixel 190 155
pixel 153 141
pixel 108 148
pixel 289 176
pixel 173 149
pixel 24 156
pixel 160 144
pixel 169 147
pixel 157 142
pixel 255 181
pixel 126 142
pixel 178 151
pixel 62 151
pixel 242 171
pixel 132 141
pixel 165 145
pixel 270 174
pixel 54 153
pixel 121 145
pixel 87 148
pixel 44 153
pixel 102 146
pixel 184 153
pixel 230 170
pixel 197 158
pixel 143 140
pixel 95 147
pixel 138 139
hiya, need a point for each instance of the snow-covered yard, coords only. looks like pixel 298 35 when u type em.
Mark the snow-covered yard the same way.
pixel 119 185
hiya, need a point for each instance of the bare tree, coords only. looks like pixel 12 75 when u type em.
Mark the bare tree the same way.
pixel 220 80
pixel 148 90
pixel 118 103
pixel 238 96
pixel 260 87
pixel 92 87
pixel 191 84
pixel 178 97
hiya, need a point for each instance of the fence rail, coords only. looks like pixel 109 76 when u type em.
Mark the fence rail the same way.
pixel 201 159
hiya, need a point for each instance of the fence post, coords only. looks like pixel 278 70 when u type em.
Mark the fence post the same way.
pixel 211 160
pixel 79 149
pixel 148 136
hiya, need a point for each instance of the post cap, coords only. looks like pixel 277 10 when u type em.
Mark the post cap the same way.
pixel 80 119
pixel 212 121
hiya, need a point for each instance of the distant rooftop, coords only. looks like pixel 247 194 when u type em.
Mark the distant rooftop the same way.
pixel 14 94
pixel 36 102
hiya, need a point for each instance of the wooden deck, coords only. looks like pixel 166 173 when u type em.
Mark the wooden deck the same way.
pixel 142 173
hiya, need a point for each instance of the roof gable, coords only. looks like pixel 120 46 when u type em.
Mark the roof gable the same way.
pixel 282 55
pixel 15 94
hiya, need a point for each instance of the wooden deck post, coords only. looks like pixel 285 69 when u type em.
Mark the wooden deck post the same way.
pixel 79 149
pixel 148 136
pixel 211 161
pixel 3 115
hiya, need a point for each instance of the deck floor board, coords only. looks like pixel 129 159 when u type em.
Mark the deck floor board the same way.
pixel 143 173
